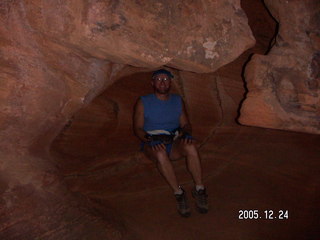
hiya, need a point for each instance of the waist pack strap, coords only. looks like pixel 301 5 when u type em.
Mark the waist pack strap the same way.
pixel 161 138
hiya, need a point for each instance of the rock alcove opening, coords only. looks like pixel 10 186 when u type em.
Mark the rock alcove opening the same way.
pixel 102 131
pixel 103 128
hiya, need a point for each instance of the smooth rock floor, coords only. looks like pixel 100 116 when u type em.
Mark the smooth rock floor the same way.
pixel 245 168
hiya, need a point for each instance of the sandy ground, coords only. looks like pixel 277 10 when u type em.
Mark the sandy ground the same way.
pixel 244 168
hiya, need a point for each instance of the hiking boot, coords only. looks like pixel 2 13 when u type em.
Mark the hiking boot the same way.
pixel 201 200
pixel 182 204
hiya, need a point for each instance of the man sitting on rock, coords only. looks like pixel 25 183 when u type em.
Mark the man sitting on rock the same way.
pixel 162 124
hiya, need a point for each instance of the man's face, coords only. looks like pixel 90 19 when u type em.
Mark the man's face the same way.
pixel 161 83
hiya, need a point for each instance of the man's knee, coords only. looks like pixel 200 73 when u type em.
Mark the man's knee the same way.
pixel 161 156
pixel 158 156
pixel 190 149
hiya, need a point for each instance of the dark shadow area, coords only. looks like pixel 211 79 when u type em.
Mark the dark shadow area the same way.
pixel 276 31
pixel 264 28
pixel 101 133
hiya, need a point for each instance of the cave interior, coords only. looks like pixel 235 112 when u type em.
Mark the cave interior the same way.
pixel 83 177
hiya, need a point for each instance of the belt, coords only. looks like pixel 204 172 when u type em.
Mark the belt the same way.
pixel 163 136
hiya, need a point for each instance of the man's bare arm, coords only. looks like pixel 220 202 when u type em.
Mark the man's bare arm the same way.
pixel 184 121
pixel 138 121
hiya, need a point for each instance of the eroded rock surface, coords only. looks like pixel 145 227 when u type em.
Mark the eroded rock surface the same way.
pixel 284 85
pixel 56 57
pixel 198 36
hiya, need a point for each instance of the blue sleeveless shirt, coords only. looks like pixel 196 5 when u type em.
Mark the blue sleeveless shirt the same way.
pixel 161 114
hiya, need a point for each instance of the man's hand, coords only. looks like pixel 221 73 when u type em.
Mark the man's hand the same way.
pixel 158 147
pixel 155 145
pixel 187 139
pixel 147 138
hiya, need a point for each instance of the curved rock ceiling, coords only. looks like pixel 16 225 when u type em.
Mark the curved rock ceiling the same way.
pixel 60 56
pixel 188 35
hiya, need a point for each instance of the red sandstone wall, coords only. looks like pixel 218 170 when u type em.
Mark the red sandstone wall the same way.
pixel 57 58
pixel 284 84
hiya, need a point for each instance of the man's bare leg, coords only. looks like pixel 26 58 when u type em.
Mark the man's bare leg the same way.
pixel 193 162
pixel 166 169
pixel 190 151
pixel 164 165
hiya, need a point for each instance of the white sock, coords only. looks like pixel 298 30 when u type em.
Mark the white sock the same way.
pixel 179 191
pixel 199 187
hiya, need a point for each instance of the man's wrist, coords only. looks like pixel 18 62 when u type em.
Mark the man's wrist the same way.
pixel 186 135
pixel 147 137
pixel 186 132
